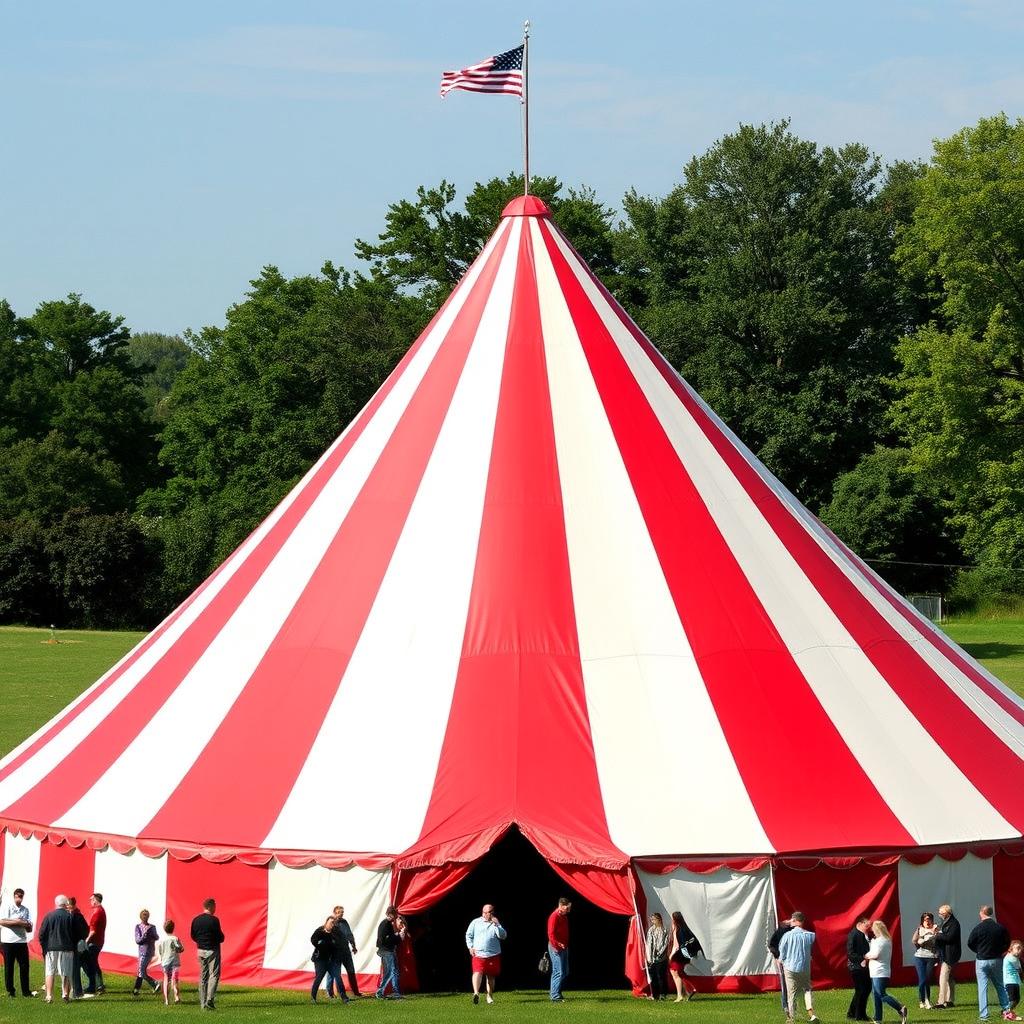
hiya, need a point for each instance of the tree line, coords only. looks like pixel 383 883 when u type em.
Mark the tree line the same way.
pixel 860 325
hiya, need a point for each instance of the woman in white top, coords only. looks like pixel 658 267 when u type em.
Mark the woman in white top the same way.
pixel 879 963
pixel 924 958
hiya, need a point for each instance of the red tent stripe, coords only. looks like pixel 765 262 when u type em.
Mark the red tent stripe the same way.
pixel 965 739
pixel 520 653
pixel 65 784
pixel 754 683
pixel 310 654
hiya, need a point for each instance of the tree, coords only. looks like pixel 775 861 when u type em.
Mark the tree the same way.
pixel 158 358
pixel 960 383
pixel 766 278
pixel 428 245
pixel 262 399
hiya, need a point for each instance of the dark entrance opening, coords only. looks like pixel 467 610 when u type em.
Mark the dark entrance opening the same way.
pixel 524 891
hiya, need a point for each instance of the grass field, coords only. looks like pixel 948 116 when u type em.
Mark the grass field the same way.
pixel 524 1007
pixel 38 678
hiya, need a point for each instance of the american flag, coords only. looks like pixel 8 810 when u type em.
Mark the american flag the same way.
pixel 502 73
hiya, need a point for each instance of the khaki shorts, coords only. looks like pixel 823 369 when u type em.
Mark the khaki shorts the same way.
pixel 62 963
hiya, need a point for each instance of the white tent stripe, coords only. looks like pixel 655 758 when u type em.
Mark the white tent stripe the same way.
pixel 405 664
pixel 637 661
pixel 909 769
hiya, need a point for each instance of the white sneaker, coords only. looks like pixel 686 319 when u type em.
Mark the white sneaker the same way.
pixel 489 1000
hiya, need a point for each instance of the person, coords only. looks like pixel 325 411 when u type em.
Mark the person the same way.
pixel 57 939
pixel 207 935
pixel 989 940
pixel 15 926
pixel 81 930
pixel 324 960
pixel 795 955
pixel 656 947
pixel 1011 972
pixel 879 961
pixel 558 948
pixel 344 947
pixel 948 952
pixel 685 946
pixel 483 940
pixel 773 948
pixel 168 952
pixel 388 938
pixel 924 958
pixel 857 945
pixel 94 945
pixel 146 937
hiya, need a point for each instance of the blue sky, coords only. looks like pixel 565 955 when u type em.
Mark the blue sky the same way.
pixel 154 157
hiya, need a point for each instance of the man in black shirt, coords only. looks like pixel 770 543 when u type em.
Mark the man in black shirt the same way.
pixel 388 938
pixel 208 937
pixel 948 951
pixel 989 940
pixel 857 944
pixel 57 939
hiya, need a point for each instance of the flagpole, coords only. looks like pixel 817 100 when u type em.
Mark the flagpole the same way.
pixel 526 108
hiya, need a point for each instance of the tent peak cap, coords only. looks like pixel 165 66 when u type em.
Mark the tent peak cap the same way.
pixel 526 206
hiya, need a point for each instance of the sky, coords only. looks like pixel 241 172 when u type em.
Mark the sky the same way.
pixel 154 157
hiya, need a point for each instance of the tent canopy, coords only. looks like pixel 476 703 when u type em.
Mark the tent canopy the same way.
pixel 535 582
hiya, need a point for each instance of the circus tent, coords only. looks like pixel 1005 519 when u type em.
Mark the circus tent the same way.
pixel 537 583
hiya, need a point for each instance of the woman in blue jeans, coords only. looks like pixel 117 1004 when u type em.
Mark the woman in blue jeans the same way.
pixel 879 961
pixel 924 958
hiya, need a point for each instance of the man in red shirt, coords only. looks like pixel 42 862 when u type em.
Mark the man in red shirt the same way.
pixel 558 947
pixel 93 945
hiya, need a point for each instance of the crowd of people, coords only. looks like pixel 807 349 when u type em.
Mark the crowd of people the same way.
pixel 71 943
pixel 937 950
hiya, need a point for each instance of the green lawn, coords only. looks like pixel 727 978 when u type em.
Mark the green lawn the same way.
pixel 523 1007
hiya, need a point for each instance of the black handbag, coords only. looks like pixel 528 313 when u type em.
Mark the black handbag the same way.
pixel 545 964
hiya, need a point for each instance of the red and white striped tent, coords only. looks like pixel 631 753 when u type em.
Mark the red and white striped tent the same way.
pixel 536 582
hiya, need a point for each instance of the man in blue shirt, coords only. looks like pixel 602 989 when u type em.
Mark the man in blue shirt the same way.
pixel 795 957
pixel 483 940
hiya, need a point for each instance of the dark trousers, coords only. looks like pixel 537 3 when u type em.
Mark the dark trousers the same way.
pixel 344 959
pixel 76 974
pixel 658 973
pixel 330 969
pixel 16 953
pixel 861 990
pixel 91 966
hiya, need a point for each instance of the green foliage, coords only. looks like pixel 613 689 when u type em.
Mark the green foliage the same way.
pixel 766 278
pixel 961 380
pixel 881 509
pixel 260 403
pixel 159 358
pixel 428 245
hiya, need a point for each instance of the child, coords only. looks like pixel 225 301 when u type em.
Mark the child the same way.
pixel 169 951
pixel 145 939
pixel 1011 972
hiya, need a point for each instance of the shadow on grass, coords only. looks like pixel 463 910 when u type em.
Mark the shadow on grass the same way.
pixel 993 650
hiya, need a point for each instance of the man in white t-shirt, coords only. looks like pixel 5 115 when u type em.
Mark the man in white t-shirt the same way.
pixel 15 925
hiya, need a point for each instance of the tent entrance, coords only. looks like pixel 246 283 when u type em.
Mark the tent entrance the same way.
pixel 524 891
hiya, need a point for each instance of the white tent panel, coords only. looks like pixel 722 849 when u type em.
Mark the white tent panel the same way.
pixel 300 899
pixel 964 884
pixel 129 883
pixel 21 871
pixel 731 912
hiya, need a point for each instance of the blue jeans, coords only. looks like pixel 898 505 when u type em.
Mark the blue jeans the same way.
pixel 334 980
pixel 782 986
pixel 878 987
pixel 330 968
pixel 924 966
pixel 388 974
pixel 559 970
pixel 990 971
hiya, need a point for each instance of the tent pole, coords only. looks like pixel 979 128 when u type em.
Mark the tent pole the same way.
pixel 526 108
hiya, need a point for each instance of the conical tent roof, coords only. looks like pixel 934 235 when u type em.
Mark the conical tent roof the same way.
pixel 536 581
